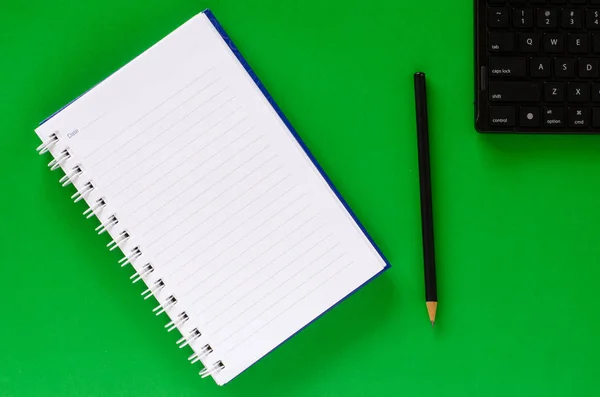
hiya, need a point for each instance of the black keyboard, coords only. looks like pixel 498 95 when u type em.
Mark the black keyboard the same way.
pixel 537 66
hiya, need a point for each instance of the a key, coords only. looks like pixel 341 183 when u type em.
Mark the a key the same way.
pixel 529 116
pixel 596 46
pixel 592 18
pixel 596 92
pixel 512 91
pixel 507 67
pixel 540 67
pixel 523 18
pixel 554 117
pixel 547 18
pixel 588 68
pixel 502 116
pixel 579 117
pixel 564 67
pixel 572 19
pixel 578 92
pixel 529 42
pixel 498 17
pixel 578 43
pixel 554 92
pixel 554 43
pixel 501 42
pixel 596 117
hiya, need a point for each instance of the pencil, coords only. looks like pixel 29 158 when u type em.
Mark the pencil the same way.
pixel 431 299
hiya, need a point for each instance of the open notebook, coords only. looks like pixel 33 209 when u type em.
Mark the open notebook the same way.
pixel 212 197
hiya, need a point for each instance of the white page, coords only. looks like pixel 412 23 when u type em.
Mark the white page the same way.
pixel 217 194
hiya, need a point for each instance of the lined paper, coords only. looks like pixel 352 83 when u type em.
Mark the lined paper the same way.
pixel 218 195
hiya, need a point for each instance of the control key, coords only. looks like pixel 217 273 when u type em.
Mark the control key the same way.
pixel 502 116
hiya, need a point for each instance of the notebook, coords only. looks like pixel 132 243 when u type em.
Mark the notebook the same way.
pixel 212 197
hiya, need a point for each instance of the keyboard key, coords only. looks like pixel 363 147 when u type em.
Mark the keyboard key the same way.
pixel 596 117
pixel 498 17
pixel 578 43
pixel 554 43
pixel 596 92
pixel 540 67
pixel 592 18
pixel 547 18
pixel 596 46
pixel 564 67
pixel 579 117
pixel 554 117
pixel 523 18
pixel 502 116
pixel 554 92
pixel 529 42
pixel 512 91
pixel 507 67
pixel 572 19
pixel 588 68
pixel 501 42
pixel 529 116
pixel 578 92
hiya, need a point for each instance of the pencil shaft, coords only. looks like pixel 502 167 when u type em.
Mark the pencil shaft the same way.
pixel 425 184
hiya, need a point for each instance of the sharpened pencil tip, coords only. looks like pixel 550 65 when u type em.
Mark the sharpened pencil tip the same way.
pixel 432 324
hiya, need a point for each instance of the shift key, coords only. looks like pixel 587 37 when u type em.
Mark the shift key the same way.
pixel 512 91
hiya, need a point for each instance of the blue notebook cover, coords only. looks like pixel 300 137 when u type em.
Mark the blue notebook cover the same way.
pixel 268 96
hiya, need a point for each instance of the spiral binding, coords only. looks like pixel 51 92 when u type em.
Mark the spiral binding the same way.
pixel 100 203
pixel 146 270
pixel 184 341
pixel 154 288
pixel 59 161
pixel 45 146
pixel 213 369
pixel 71 176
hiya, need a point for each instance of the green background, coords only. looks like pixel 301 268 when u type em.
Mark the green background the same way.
pixel 516 216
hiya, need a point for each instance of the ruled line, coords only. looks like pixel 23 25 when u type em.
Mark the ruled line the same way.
pixel 93 121
pixel 208 189
pixel 284 310
pixel 161 133
pixel 233 230
pixel 285 251
pixel 177 166
pixel 147 114
pixel 222 208
pixel 276 302
pixel 241 239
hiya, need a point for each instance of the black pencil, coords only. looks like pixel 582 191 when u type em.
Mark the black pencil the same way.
pixel 426 199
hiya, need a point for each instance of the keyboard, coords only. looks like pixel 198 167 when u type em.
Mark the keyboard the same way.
pixel 537 66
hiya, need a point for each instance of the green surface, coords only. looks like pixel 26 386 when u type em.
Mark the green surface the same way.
pixel 517 216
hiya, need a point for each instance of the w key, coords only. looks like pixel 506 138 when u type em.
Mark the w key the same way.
pixel 508 67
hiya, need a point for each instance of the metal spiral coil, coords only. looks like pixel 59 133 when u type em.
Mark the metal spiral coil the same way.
pixel 154 288
pixel 46 145
pixel 213 369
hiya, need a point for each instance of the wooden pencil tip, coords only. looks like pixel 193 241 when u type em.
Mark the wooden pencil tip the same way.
pixel 431 310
